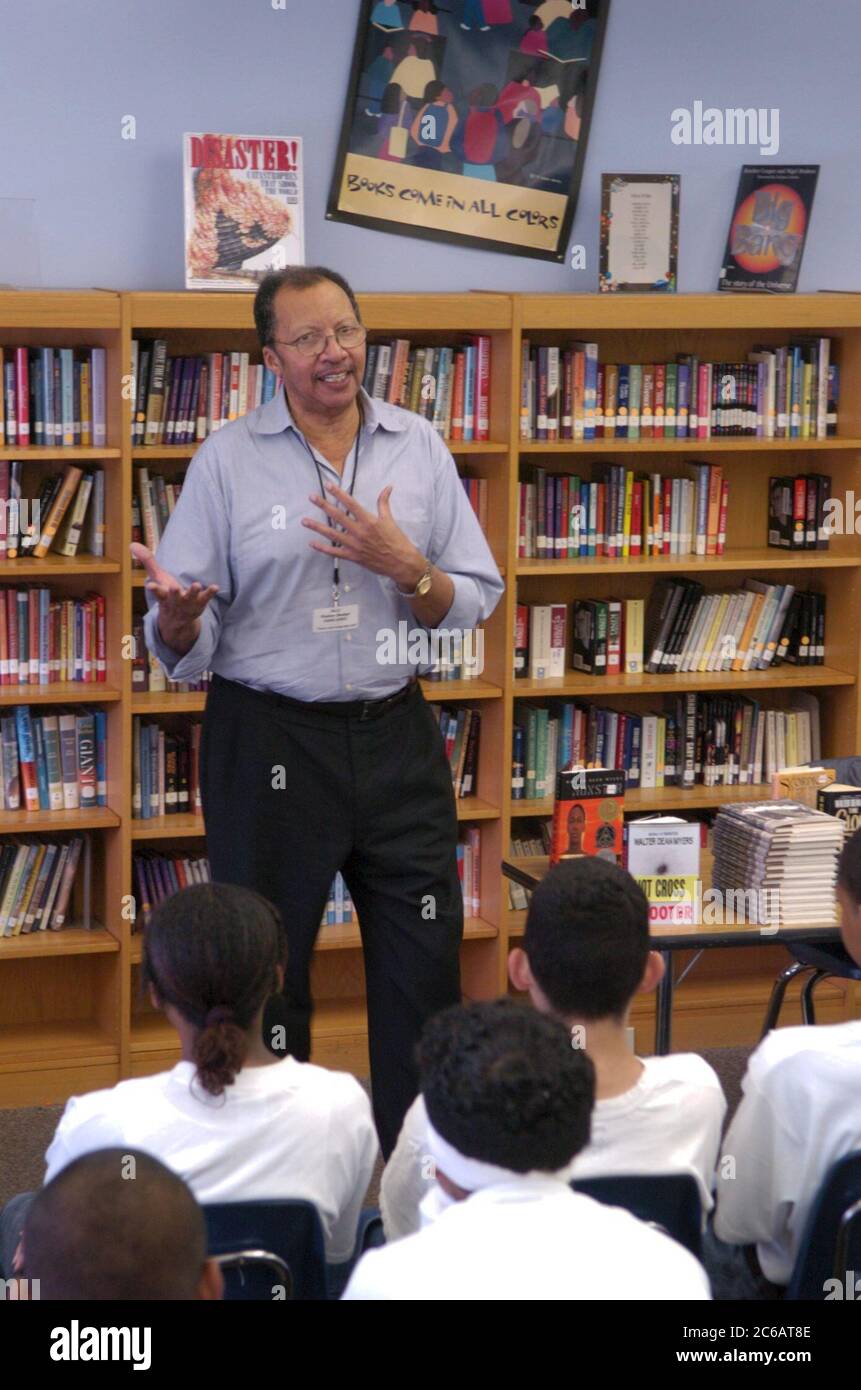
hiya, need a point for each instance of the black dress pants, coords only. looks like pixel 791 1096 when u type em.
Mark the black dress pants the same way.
pixel 291 793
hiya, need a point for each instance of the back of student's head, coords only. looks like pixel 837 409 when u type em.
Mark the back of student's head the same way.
pixel 587 938
pixel 212 952
pixel 115 1224
pixel 849 893
pixel 503 1084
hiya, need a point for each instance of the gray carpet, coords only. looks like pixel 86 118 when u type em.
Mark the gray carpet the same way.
pixel 26 1134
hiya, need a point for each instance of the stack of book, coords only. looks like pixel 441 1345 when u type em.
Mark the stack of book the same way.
pixel 181 400
pixel 461 732
pixel 449 386
pixel 165 779
pixel 53 397
pixel 53 762
pixel 469 870
pixel 696 740
pixel 787 392
pixel 622 515
pixel 157 876
pixel 69 511
pixel 36 880
pixel 45 639
pixel 782 855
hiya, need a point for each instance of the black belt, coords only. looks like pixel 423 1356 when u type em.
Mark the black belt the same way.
pixel 345 709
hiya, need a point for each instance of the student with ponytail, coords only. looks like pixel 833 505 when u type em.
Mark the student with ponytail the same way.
pixel 231 1118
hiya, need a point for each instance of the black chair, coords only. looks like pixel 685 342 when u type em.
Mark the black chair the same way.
pixel 256 1275
pixel 668 1200
pixel 291 1230
pixel 831 1245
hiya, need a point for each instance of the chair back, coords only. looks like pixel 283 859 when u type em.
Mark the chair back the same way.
pixel 291 1230
pixel 828 1263
pixel 668 1200
pixel 254 1275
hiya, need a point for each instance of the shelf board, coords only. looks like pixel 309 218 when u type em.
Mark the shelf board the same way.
pixel 169 702
pixel 50 310
pixel 61 692
pixel 475 312
pixel 62 1044
pixel 63 822
pixel 580 315
pixel 71 941
pixel 72 454
pixel 342 936
pixel 167 827
pixel 573 683
pixel 332 1018
pixel 151 1032
pixel 166 453
pixel 440 692
pixel 54 566
pixel 516 921
pixel 684 446
pixel 473 808
pixel 749 558
pixel 639 801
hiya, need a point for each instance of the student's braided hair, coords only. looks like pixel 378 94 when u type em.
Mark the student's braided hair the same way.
pixel 212 952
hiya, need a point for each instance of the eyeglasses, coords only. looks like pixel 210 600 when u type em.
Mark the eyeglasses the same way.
pixel 351 335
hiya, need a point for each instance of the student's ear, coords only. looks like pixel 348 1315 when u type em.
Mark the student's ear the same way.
pixel 210 1289
pixel 153 998
pixel 653 973
pixel 518 969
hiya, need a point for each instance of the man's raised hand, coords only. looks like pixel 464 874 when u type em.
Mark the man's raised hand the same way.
pixel 179 609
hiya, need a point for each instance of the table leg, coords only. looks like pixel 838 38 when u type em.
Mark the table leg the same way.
pixel 664 1008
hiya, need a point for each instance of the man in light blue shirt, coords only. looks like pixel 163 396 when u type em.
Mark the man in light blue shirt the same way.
pixel 309 536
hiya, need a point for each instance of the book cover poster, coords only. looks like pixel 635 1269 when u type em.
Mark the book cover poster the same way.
pixel 243 208
pixel 639 234
pixel 467 121
pixel 588 814
pixel 768 227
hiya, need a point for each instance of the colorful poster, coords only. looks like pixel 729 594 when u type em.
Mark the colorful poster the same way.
pixel 467 121
pixel 768 228
pixel 243 208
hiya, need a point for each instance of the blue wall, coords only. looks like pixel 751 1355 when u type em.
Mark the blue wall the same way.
pixel 108 211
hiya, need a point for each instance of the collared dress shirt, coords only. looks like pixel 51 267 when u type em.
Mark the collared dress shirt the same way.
pixel 238 524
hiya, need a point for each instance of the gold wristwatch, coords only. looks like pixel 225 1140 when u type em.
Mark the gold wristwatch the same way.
pixel 423 585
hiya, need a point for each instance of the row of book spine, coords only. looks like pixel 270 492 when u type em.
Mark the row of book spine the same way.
pixel 182 400
pixel 53 397
pixel 621 515
pixel 68 504
pixel 157 876
pixel 148 674
pixel 53 762
pixel 46 639
pixel 798 512
pixel 469 870
pixel 165 770
pixel 697 740
pixel 746 629
pixel 36 882
pixel 789 392
pixel 461 732
pixel 449 386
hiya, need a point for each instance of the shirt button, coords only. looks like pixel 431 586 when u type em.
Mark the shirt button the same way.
pixel 348 686
pixel 349 636
pixel 346 588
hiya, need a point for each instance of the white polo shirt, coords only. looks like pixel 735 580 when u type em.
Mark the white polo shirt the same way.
pixel 289 1129
pixel 669 1122
pixel 530 1238
pixel 800 1111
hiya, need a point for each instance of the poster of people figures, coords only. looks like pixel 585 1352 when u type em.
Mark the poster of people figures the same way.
pixel 467 120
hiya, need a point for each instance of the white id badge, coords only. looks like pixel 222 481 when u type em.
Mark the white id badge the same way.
pixel 338 618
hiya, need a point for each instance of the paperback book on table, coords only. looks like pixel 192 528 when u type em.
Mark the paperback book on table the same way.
pixel 588 814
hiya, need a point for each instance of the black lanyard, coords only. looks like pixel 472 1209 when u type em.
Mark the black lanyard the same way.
pixel 336 576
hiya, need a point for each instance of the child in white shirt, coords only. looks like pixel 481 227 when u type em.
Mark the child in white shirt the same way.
pixel 585 956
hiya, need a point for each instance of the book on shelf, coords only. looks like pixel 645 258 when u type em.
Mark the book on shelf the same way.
pixel 588 813
pixel 695 740
pixel 786 392
pixel 619 514
pixel 523 846
pixel 157 876
pixel 46 639
pixel 69 508
pixel 53 397
pixel 469 870
pixel 461 732
pixel 148 674
pixel 798 513
pixel 36 882
pixel 448 385
pixel 476 491
pixel 54 761
pixel 184 399
pixel 339 905
pixel 165 770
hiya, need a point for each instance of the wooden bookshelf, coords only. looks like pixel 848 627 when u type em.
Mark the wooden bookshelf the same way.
pixel 71 1013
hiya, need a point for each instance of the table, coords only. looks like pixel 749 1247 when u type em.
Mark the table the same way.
pixel 530 870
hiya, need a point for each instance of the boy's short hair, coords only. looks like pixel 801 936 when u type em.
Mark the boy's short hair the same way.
pixel 503 1084
pixel 587 938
